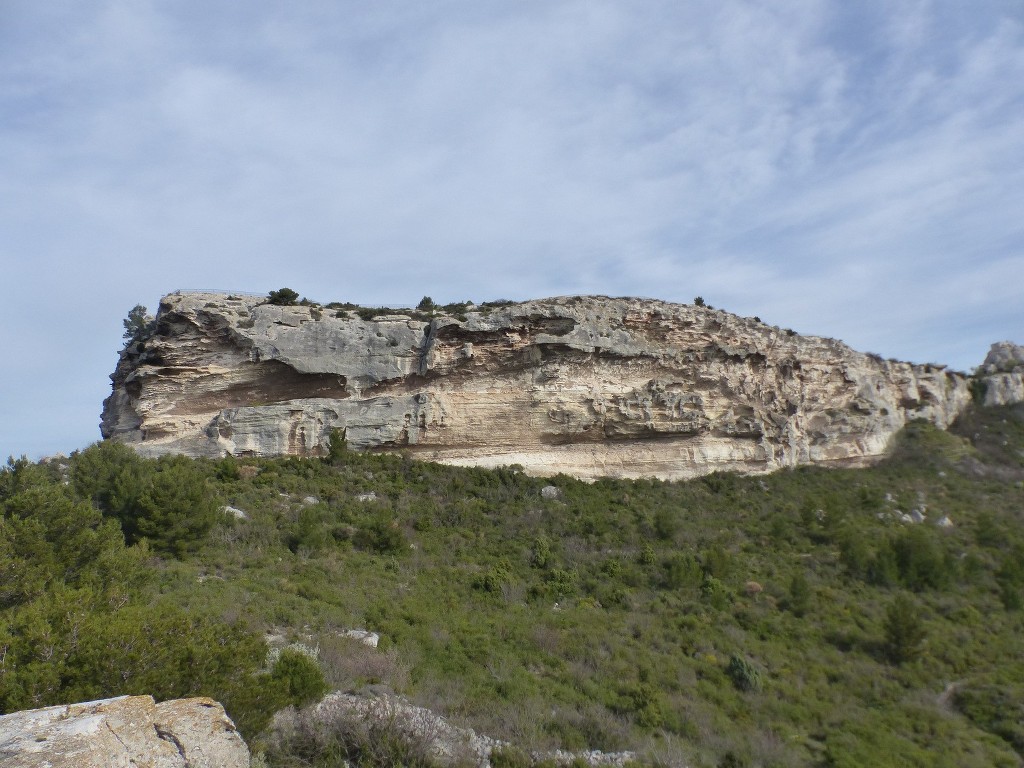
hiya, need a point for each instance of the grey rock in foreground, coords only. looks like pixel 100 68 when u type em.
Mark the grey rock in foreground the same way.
pixel 589 386
pixel 125 731
pixel 384 717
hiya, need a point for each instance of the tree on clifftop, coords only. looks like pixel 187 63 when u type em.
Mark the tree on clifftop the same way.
pixel 284 297
pixel 137 322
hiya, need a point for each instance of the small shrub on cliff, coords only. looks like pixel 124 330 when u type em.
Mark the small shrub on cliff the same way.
pixel 138 322
pixel 979 388
pixel 337 447
pixel 283 297
pixel 369 313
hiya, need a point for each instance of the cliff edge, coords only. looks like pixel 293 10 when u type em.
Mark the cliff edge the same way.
pixel 586 385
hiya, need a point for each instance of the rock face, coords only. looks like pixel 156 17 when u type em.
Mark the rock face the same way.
pixel 589 386
pixel 430 736
pixel 1003 374
pixel 126 731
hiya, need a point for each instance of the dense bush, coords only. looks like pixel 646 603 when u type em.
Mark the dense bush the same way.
pixel 904 630
pixel 138 323
pixel 166 501
pixel 284 297
pixel 299 678
pixel 75 623
pixel 744 675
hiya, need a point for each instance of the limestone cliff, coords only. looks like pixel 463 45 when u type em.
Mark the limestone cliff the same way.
pixel 1002 374
pixel 589 386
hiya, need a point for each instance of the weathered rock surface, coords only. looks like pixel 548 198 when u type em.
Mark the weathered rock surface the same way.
pixel 1003 374
pixel 589 386
pixel 429 735
pixel 125 731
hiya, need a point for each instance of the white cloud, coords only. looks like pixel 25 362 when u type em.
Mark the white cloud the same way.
pixel 847 170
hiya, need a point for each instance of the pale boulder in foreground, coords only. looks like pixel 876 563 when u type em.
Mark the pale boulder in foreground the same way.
pixel 125 731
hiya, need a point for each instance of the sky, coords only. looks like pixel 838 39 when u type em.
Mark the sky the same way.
pixel 846 169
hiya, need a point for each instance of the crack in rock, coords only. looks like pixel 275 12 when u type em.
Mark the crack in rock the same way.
pixel 169 736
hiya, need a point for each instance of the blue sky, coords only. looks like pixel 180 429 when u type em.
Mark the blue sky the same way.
pixel 853 170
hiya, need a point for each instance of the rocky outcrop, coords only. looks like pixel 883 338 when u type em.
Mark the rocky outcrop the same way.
pixel 589 386
pixel 1001 376
pixel 125 731
pixel 370 725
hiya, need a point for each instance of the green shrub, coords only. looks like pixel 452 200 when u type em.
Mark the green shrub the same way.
pixel 800 594
pixel 96 470
pixel 979 388
pixel 715 593
pixel 683 570
pixel 666 524
pixel 337 446
pixel 540 555
pixel 645 703
pixel 381 536
pixel 284 297
pixel 921 559
pixel 998 709
pixel 510 757
pixel 494 578
pixel 299 677
pixel 138 324
pixel 744 675
pixel 166 501
pixel 904 630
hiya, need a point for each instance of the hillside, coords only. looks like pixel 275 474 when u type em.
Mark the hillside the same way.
pixel 588 386
pixel 801 618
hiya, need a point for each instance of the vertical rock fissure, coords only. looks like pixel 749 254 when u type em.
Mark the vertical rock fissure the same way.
pixel 428 341
pixel 169 736
pixel 127 750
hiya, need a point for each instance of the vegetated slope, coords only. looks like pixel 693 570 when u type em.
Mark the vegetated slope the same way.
pixel 798 618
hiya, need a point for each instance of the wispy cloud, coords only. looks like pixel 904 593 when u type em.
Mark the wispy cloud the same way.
pixel 852 170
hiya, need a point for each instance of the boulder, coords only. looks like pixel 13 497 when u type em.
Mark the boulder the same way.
pixel 1002 374
pixel 128 731
pixel 1003 357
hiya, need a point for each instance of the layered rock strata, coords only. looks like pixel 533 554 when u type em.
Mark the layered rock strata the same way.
pixel 588 386
pixel 124 731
